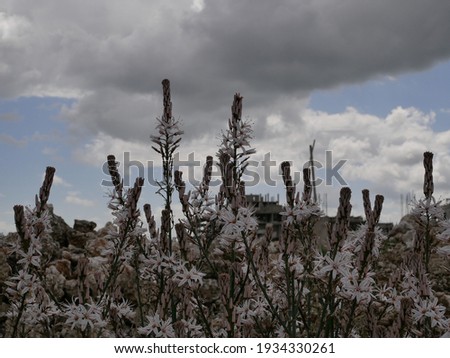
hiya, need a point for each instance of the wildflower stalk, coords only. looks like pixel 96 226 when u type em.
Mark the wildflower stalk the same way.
pixel 21 227
pixel 127 218
pixel 263 287
pixel 428 188
pixel 137 279
pixel 327 319
pixel 233 156
pixel 44 192
pixel 151 222
pixel 342 221
pixel 167 141
pixel 288 183
pixel 19 315
pixel 195 221
pixel 372 217
pixel 33 228
pixel 365 258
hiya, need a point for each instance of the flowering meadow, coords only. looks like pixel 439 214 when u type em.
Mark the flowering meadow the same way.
pixel 209 274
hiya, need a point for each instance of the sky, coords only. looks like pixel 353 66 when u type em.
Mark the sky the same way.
pixel 367 80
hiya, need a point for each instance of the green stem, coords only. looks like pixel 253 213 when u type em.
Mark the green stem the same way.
pixel 19 316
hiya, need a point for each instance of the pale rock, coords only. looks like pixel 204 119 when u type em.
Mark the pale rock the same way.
pixel 55 281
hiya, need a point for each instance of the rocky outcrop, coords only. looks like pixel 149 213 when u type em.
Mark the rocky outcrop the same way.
pixel 84 226
pixel 63 250
pixel 404 232
pixel 61 231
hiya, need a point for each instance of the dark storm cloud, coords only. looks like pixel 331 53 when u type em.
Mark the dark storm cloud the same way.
pixel 290 45
pixel 274 53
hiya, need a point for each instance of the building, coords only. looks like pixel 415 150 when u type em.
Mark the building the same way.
pixel 267 211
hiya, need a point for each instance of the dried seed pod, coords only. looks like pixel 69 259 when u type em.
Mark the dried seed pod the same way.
pixel 428 186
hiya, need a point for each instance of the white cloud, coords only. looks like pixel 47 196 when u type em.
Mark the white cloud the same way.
pixel 7 227
pixel 198 5
pixel 95 152
pixel 74 198
pixel 12 27
pixel 8 139
pixel 383 154
pixel 57 180
pixel 52 153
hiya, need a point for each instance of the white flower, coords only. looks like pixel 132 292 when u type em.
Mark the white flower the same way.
pixel 444 251
pixel 40 226
pixel 396 299
pixel 356 238
pixel 165 330
pixel 246 220
pixel 35 246
pixel 25 283
pixel 34 315
pixel 444 236
pixel 137 231
pixel 340 265
pixel 76 317
pixel 245 314
pixel 157 262
pixel 158 327
pixel 438 315
pixel 259 307
pixel 280 332
pixel 192 329
pixel 123 310
pixel 153 323
pixel 211 213
pixel 300 212
pixel 83 316
pixel 409 284
pixel 384 293
pixel 427 208
pixel 361 290
pixel 420 310
pixel 289 214
pixel 232 227
pixel 306 210
pixel 191 278
pixel 241 140
pixel 29 259
pixel 295 266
